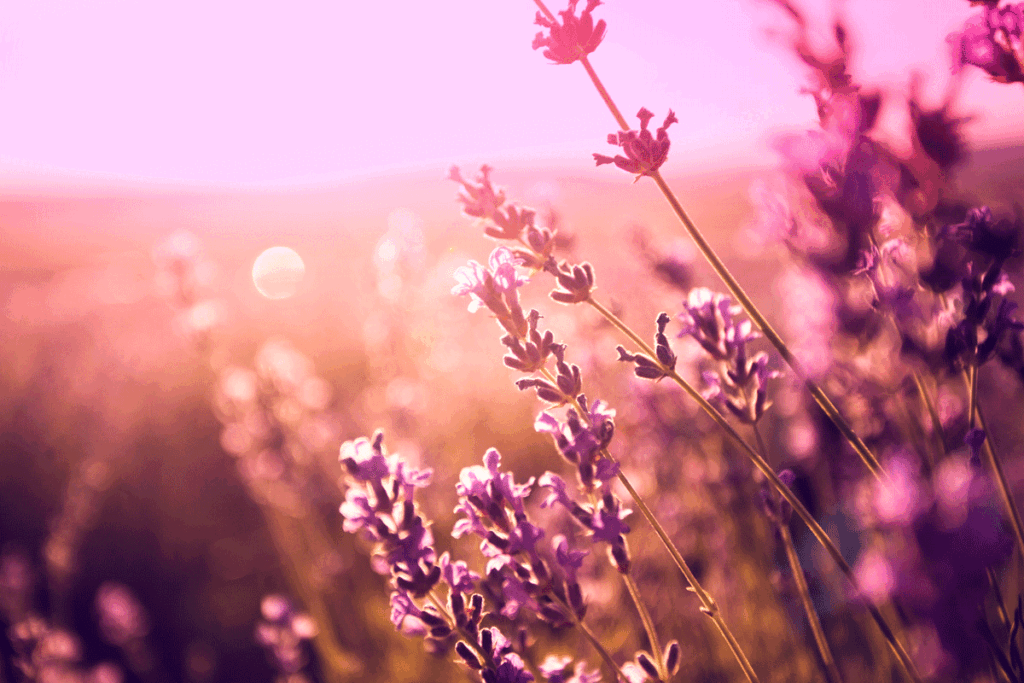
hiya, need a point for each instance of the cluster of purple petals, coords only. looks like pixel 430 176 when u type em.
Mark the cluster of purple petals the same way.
pixel 739 384
pixel 604 520
pixel 559 669
pixel 379 505
pixel 664 361
pixel 940 539
pixel 642 152
pixel 574 37
pixel 580 440
pixel 567 385
pixel 495 287
pixel 532 248
pixel 987 314
pixel 492 507
pixel 992 41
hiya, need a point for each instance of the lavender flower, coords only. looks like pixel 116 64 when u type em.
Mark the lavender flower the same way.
pixel 574 37
pixel 992 42
pixel 644 153
pixel 492 506
pixel 603 521
pixel 740 382
pixel 580 440
pixel 647 367
pixel 379 504
pixel 496 288
pixel 556 669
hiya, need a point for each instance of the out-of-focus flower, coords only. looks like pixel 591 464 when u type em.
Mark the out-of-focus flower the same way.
pixel 992 42
pixel 644 153
pixel 479 199
pixel 556 669
pixel 572 39
pixel 283 632
pixel 122 618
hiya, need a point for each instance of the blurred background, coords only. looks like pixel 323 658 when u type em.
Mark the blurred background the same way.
pixel 169 422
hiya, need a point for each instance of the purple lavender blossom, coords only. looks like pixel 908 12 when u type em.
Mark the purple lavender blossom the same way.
pixel 580 440
pixel 644 153
pixel 603 521
pixel 573 38
pixel 991 41
pixel 284 633
pixel 664 361
pixel 494 287
pixel 379 504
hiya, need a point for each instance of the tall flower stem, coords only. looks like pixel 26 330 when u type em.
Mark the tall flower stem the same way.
pixel 769 332
pixel 708 604
pixel 933 414
pixel 734 286
pixel 762 465
pixel 971 382
pixel 613 669
pixel 645 617
pixel 827 660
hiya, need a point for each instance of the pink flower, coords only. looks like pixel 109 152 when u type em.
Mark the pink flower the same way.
pixel 644 153
pixel 575 37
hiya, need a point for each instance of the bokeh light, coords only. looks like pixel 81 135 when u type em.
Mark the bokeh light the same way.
pixel 278 272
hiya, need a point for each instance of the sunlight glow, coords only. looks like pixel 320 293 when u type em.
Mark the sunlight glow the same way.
pixel 277 272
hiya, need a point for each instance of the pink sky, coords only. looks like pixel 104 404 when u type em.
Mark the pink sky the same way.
pixel 225 91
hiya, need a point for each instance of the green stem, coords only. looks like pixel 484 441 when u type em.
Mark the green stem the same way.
pixel 609 102
pixel 594 642
pixel 645 617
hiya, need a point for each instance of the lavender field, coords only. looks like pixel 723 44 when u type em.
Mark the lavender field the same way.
pixel 568 418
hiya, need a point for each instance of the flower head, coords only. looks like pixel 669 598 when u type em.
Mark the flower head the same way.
pixel 574 38
pixel 644 153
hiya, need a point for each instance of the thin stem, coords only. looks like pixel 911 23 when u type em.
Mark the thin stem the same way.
pixel 972 384
pixel 645 617
pixel 708 604
pixel 762 465
pixel 609 102
pixel 997 467
pixel 769 332
pixel 1004 618
pixel 937 431
pixel 594 642
pixel 734 286
pixel 828 662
